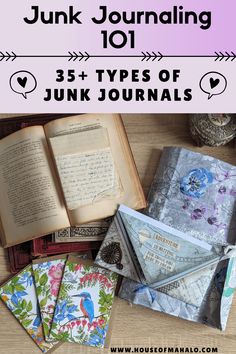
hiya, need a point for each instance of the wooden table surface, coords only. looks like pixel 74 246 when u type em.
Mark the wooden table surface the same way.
pixel 134 325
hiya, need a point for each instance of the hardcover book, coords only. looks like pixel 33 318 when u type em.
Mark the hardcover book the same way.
pixel 19 256
pixel 148 251
pixel 23 254
pixel 13 124
pixel 84 304
pixel 68 172
pixel 46 246
pixel 19 296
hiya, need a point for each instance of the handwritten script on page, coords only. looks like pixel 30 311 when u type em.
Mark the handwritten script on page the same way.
pixel 87 177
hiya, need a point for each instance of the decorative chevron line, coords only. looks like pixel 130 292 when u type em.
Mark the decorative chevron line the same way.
pixel 74 56
pixel 8 56
pixel 144 56
pixel 153 56
pixel 227 56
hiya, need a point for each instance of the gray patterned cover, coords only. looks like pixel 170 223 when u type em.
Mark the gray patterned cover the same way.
pixel 194 193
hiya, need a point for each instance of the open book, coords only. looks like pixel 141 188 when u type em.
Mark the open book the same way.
pixel 71 171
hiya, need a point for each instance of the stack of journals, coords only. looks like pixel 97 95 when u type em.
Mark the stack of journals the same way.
pixel 62 299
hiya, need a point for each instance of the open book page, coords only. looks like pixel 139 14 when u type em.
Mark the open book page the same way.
pixel 109 144
pixel 30 201
pixel 86 167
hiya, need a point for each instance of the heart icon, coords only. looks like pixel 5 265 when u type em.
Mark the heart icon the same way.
pixel 22 82
pixel 214 82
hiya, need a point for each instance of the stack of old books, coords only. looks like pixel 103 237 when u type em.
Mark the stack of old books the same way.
pixel 60 186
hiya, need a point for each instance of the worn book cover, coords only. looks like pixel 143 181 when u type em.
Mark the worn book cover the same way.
pixel 151 252
pixel 19 296
pixel 23 254
pixel 84 304
pixel 46 246
pixel 19 256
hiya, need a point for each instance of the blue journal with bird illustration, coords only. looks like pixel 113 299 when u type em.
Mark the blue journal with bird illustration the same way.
pixel 84 304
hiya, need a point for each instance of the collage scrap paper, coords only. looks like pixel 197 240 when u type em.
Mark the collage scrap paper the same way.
pixel 196 194
pixel 48 276
pixel 160 254
pixel 140 294
pixel 84 304
pixel 212 310
pixel 19 295
pixel 164 253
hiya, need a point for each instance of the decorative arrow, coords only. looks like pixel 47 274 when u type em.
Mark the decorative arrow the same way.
pixel 144 56
pixel 74 56
pixel 153 56
pixel 227 56
pixel 7 56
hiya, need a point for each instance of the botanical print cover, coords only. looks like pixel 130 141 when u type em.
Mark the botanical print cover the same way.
pixel 19 295
pixel 84 304
pixel 195 193
pixel 160 254
pixel 48 276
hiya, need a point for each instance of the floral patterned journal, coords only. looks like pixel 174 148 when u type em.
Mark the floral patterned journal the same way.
pixel 19 295
pixel 48 275
pixel 195 193
pixel 84 304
